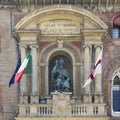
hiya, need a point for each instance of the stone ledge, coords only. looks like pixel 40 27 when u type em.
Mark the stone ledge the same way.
pixel 65 118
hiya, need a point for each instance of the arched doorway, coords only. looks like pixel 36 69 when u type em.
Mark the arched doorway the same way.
pixel 60 73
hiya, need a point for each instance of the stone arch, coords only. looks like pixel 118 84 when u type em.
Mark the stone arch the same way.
pixel 116 72
pixel 53 9
pixel 51 48
pixel 115 20
pixel 108 72
pixel 108 75
pixel 73 53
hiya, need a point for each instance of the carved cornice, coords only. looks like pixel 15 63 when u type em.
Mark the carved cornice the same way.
pixel 98 5
pixel 23 33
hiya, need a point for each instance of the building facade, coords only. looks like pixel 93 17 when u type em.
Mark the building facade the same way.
pixel 65 38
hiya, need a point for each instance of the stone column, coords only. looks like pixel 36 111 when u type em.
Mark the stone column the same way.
pixel 98 79
pixel 34 96
pixel 46 80
pixel 23 82
pixel 82 82
pixel 86 96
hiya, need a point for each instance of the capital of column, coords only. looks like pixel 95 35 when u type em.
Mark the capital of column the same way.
pixel 33 46
pixel 96 46
pixel 22 46
pixel 87 46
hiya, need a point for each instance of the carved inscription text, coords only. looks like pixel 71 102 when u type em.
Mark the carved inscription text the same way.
pixel 60 28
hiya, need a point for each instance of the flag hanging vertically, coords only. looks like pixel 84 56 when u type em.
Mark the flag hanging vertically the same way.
pixel 21 70
pixel 97 69
pixel 28 69
pixel 17 67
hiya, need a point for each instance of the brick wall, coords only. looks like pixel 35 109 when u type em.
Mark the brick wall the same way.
pixel 8 58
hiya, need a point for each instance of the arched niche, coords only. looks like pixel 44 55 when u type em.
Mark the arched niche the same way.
pixel 49 54
pixel 60 72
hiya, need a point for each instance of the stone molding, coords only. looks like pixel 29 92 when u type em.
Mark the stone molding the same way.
pixel 65 118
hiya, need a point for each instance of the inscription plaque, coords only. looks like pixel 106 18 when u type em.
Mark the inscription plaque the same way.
pixel 60 28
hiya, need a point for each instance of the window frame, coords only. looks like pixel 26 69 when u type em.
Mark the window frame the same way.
pixel 116 73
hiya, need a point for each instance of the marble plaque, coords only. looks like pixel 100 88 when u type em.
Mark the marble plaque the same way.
pixel 60 28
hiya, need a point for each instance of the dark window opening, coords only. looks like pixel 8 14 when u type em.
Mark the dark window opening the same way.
pixel 116 27
pixel 116 32
pixel 116 94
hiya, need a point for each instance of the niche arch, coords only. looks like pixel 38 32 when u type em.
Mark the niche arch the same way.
pixel 52 50
pixel 60 77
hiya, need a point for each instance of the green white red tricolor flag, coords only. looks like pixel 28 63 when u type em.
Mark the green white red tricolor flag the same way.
pixel 97 69
pixel 21 70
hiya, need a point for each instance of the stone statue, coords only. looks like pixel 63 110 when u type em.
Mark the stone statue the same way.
pixel 60 43
pixel 60 77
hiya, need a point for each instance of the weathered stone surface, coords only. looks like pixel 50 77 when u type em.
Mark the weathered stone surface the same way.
pixel 9 97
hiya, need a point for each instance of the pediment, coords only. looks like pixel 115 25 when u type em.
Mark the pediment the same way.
pixel 81 18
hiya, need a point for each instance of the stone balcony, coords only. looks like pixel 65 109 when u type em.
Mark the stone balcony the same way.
pixel 61 105
pixel 77 110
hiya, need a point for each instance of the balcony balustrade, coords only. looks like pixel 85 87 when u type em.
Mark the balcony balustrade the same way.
pixel 77 110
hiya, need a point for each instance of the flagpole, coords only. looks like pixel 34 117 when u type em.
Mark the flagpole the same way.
pixel 33 85
pixel 32 76
pixel 101 77
pixel 23 55
pixel 32 80
pixel 21 84
pixel 90 72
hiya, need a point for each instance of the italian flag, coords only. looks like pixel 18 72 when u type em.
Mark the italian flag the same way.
pixel 97 69
pixel 22 68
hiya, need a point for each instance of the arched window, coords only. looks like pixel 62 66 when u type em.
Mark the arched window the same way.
pixel 116 94
pixel 116 27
